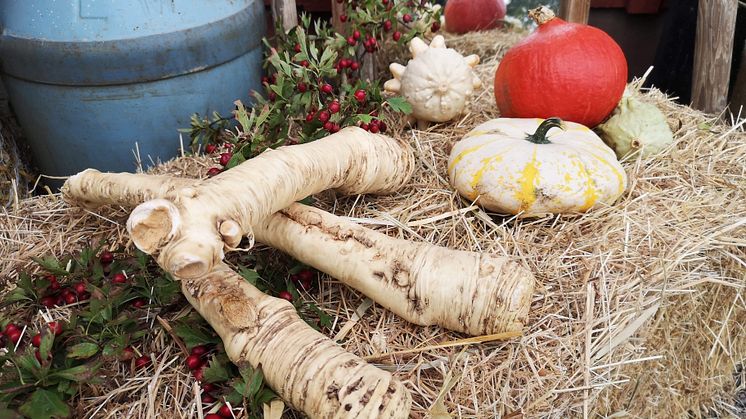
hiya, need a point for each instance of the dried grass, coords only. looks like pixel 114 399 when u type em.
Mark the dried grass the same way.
pixel 638 312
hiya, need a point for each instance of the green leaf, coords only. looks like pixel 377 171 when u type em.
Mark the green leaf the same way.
pixel 45 404
pixel 399 104
pixel 250 275
pixel 18 294
pixel 215 372
pixel 51 264
pixel 193 336
pixel 237 159
pixel 47 340
pixel 82 350
pixel 78 374
pixel 255 384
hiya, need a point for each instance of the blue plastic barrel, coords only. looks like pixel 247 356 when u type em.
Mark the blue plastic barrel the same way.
pixel 90 78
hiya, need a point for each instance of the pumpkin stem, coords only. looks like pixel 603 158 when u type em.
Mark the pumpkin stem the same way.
pixel 541 15
pixel 540 136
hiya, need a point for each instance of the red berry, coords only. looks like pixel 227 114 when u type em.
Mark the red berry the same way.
pixel 208 399
pixel 323 116
pixel 360 95
pixel 343 18
pixel 199 350
pixel 265 80
pixel 36 340
pixel 71 299
pixel 344 62
pixel 10 328
pixel 214 171
pixel 60 301
pixel 334 107
pixel 310 116
pixel 302 87
pixel 14 336
pixel 336 128
pixel 225 158
pixel 119 278
pixel 272 96
pixel 382 126
pixel 66 293
pixel 48 301
pixel 106 257
pixel 351 41
pixel 387 25
pixel 142 362
pixel 286 296
pixel 213 416
pixel 210 148
pixel 329 126
pixel 327 88
pixel 55 327
pixel 297 48
pixel 225 411
pixel 306 274
pixel 198 374
pixel 435 27
pixel 356 35
pixel 51 278
pixel 374 128
pixel 54 285
pixel 365 126
pixel 83 296
pixel 208 387
pixel 354 66
pixel 139 303
pixel 407 18
pixel 396 36
pixel 304 63
pixel 306 284
pixel 193 362
pixel 79 287
pixel 127 354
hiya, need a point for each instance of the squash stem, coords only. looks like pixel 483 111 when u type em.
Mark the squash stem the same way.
pixel 540 136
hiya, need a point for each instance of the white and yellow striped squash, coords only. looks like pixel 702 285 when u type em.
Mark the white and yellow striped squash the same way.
pixel 523 166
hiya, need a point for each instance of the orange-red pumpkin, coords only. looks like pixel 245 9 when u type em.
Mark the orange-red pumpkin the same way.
pixel 572 71
pixel 473 15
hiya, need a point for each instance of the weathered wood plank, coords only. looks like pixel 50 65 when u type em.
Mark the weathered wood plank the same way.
pixel 575 10
pixel 286 12
pixel 338 9
pixel 713 50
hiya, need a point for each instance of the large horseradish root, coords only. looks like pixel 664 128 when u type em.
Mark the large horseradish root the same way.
pixel 189 230
pixel 306 368
pixel 468 292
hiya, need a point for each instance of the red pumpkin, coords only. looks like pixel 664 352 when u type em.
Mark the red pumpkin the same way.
pixel 567 70
pixel 473 15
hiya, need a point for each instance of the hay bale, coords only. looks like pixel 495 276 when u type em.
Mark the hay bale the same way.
pixel 638 306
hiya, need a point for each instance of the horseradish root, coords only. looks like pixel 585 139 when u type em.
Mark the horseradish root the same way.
pixel 417 281
pixel 184 229
pixel 306 368
pixel 424 284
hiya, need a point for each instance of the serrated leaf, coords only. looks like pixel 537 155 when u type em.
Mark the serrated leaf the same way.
pixel 47 340
pixel 215 372
pixel 82 350
pixel 51 264
pixel 399 104
pixel 45 404
pixel 18 294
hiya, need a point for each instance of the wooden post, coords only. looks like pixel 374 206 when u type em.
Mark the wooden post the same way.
pixel 576 11
pixel 338 9
pixel 286 12
pixel 716 25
